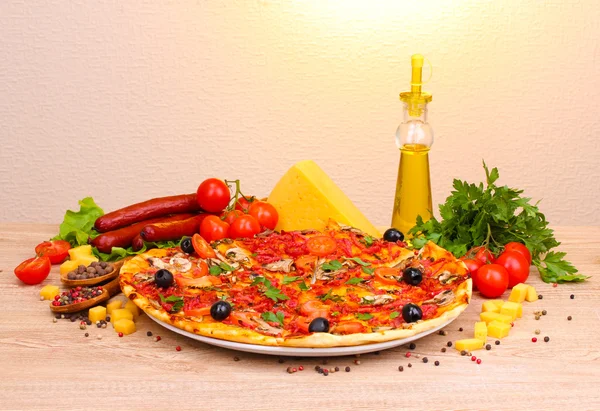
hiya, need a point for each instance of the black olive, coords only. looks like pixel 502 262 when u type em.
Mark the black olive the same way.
pixel 186 245
pixel 412 276
pixel 319 325
pixel 220 310
pixel 411 313
pixel 392 235
pixel 163 278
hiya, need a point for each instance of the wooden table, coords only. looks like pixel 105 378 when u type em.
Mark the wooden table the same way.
pixel 46 365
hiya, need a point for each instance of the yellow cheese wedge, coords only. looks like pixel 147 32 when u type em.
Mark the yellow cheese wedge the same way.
pixel 120 313
pixel 489 316
pixel 470 344
pixel 306 197
pixel 49 292
pixel 498 329
pixel 514 310
pixel 68 265
pixel 490 306
pixel 82 250
pixel 531 295
pixel 113 305
pixel 125 326
pixel 481 330
pixel 518 293
pixel 97 314
pixel 135 311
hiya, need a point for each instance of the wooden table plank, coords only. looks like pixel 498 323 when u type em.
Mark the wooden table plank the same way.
pixel 48 365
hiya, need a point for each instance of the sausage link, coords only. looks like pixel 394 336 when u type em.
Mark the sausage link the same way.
pixel 137 243
pixel 123 237
pixel 172 230
pixel 156 207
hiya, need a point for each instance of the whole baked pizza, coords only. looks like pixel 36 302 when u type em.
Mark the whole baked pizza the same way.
pixel 338 287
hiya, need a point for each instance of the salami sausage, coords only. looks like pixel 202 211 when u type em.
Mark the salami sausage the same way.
pixel 172 230
pixel 156 207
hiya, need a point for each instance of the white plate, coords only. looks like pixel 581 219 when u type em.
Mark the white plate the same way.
pixel 300 352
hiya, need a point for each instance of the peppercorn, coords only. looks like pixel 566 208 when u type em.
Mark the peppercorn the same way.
pixel 107 318
pixel 149 333
pixel 479 361
pixel 534 339
pixel 412 346
pixel 301 368
pixel 497 342
pixel 537 317
pixel 376 353
pixel 400 368
pixel 473 358
pixel 444 349
pixel 572 296
pixel 87 334
pixel 236 358
pixel 103 325
pixel 437 363
pixel 537 332
pixel 449 343
pixel 357 362
pixel 281 360
pixel 337 369
pixel 488 347
pixel 289 370
pixel 317 367
pixel 54 320
pixel 540 297
pixel 409 365
pixel 120 334
pixel 460 329
pixel 157 338
pixel 463 353
pixel 98 325
pixel 555 285
pixel 178 348
pixel 325 373
pixel 347 369
pixel 407 355
pixel 546 339
pixel 425 360
pixel 544 312
pixel 569 318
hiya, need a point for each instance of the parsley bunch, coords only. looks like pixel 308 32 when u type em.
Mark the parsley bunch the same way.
pixel 492 216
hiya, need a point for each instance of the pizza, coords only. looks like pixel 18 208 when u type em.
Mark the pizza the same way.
pixel 337 287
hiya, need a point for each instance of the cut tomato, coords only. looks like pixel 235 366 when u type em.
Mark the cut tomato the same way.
pixel 306 263
pixel 198 312
pixel 242 318
pixel 321 245
pixel 350 327
pixel 313 309
pixel 33 270
pixel 206 281
pixel 57 250
pixel 202 248
pixel 386 275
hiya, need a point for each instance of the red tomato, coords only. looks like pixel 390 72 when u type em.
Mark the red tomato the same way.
pixel 492 280
pixel 231 216
pixel 33 270
pixel 313 309
pixel 350 327
pixel 213 195
pixel 305 263
pixel 384 275
pixel 473 266
pixel 321 245
pixel 245 226
pixel 241 318
pixel 265 213
pixel 243 203
pixel 206 281
pixel 56 250
pixel 212 228
pixel 519 248
pixel 198 312
pixel 202 248
pixel 517 266
pixel 483 255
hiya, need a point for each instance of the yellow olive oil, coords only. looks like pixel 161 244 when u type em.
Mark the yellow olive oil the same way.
pixel 413 188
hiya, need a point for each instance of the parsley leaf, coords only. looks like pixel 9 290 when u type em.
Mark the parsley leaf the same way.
pixel 355 280
pixel 394 315
pixel 359 261
pixel 215 270
pixel 273 318
pixel 491 216
pixel 176 300
pixel 275 294
pixel 332 265
pixel 363 316
pixel 335 313
pixel 288 280
pixel 368 270
pixel 303 286
pixel 330 296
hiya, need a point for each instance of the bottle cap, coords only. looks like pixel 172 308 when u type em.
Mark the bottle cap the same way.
pixel 415 98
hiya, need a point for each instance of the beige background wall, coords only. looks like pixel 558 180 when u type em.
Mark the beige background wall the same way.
pixel 129 100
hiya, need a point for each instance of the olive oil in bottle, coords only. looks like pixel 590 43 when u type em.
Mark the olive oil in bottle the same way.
pixel 414 138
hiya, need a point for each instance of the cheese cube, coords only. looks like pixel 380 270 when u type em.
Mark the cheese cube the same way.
pixel 68 266
pixel 490 306
pixel 306 197
pixel 119 314
pixel 531 295
pixel 489 316
pixel 135 311
pixel 97 314
pixel 125 326
pixel 112 306
pixel 498 329
pixel 512 309
pixel 49 292
pixel 470 344
pixel 497 303
pixel 518 293
pixel 81 251
pixel 481 330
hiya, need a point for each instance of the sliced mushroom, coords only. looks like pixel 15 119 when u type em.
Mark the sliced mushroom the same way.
pixel 155 303
pixel 158 263
pixel 443 298
pixel 447 277
pixel 308 231
pixel 321 274
pixel 143 278
pixel 181 264
pixel 265 328
pixel 379 299
pixel 280 266
pixel 265 233
pixel 405 263
pixel 352 229
pixel 236 255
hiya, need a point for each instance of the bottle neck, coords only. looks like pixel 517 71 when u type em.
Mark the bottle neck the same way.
pixel 410 114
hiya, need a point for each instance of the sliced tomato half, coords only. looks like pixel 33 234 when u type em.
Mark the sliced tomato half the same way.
pixel 386 275
pixel 349 327
pixel 321 245
pixel 202 248
pixel 206 281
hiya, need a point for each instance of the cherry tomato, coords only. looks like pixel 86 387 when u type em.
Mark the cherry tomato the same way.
pixel 56 250
pixel 33 270
pixel 492 280
pixel 321 245
pixel 265 214
pixel 305 263
pixel 243 203
pixel 350 327
pixel 473 266
pixel 212 228
pixel 245 226
pixel 213 195
pixel 483 255
pixel 231 216
pixel 517 266
pixel 385 275
pixel 202 248
pixel 519 248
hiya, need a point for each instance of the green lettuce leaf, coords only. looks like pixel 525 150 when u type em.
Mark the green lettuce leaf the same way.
pixel 78 227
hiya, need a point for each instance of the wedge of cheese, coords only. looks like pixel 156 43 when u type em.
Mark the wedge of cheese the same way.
pixel 306 197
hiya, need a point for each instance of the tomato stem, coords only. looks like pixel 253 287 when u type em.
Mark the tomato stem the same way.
pixel 236 196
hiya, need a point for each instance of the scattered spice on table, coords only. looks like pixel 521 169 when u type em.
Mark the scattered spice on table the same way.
pixel 479 361
pixel 401 368
pixel 357 362
pixel 149 333
pixel 537 332
pixel 534 339
pixel 178 348
pixel 488 347
pixel 437 363
pixel 463 353
pixel 497 342
pixel 449 343
pixel 347 369
pixel 572 296
pixel 120 334
pixel 301 368
pixel 425 360
pixel 540 297
pixel 409 365
pixel 76 295
pixel 569 318
pixel 546 339
pixel 236 358
pixel 544 312
pixel 473 358
pixel 460 329
pixel 412 346
pixel 443 349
